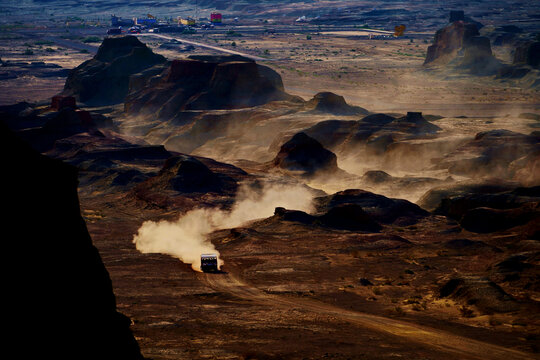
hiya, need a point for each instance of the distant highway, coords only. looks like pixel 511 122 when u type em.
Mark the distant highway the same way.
pixel 215 48
pixel 267 29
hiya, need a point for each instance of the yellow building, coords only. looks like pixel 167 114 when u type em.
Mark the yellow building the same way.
pixel 187 21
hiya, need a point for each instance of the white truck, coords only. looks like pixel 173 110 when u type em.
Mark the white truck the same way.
pixel 209 263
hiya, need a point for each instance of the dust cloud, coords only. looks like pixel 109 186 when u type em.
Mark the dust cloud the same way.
pixel 186 238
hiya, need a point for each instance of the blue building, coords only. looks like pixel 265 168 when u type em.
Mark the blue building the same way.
pixel 145 21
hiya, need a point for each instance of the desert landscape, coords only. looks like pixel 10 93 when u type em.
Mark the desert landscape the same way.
pixel 366 173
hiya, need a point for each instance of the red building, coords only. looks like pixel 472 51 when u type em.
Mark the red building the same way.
pixel 215 18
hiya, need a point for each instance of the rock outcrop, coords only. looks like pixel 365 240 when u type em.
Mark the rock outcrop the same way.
pixel 378 119
pixel 518 268
pixel 375 177
pixel 459 45
pixel 488 220
pixel 448 41
pixel 459 15
pixel 487 208
pixel 332 133
pixel 329 102
pixel 206 83
pixel 349 217
pixel 382 181
pixel 110 162
pixel 376 132
pixel 43 130
pixel 58 292
pixel 527 54
pixel 435 200
pixel 484 294
pixel 525 66
pixel 19 116
pixel 526 170
pixel 104 79
pixel 305 154
pixel 478 58
pixel 184 176
pixel 457 204
pixel 413 124
pixel 491 153
pixel 380 208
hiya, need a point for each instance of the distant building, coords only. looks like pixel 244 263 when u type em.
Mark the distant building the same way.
pixel 215 18
pixel 145 21
pixel 187 21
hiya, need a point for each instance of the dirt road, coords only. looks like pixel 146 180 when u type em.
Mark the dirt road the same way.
pixel 462 348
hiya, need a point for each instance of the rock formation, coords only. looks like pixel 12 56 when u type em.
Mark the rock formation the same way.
pixel 18 116
pixel 378 119
pixel 184 181
pixel 528 54
pixel 459 44
pixel 376 132
pixel 380 208
pixel 305 154
pixel 43 130
pixel 525 66
pixel 109 162
pixel 459 15
pixel 349 217
pixel 59 294
pixel 413 124
pixel 341 217
pixel 486 208
pixel 104 79
pixel 329 102
pixel 526 170
pixel 206 83
pixel 478 58
pixel 448 41
pixel 491 153
pixel 435 199
pixel 488 220
pixel 376 177
pixel 186 174
pixel 518 268
pixel 486 296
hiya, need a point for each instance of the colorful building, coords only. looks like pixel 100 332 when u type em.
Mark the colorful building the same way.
pixel 187 21
pixel 215 18
pixel 145 21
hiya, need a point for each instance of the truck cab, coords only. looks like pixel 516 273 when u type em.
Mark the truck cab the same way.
pixel 209 263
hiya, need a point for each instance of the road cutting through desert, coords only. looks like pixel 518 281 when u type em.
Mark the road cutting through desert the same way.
pixel 461 347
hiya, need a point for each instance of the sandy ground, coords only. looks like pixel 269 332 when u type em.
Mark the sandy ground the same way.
pixel 306 303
